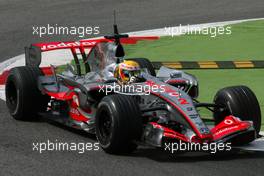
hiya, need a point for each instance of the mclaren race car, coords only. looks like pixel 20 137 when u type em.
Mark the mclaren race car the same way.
pixel 160 106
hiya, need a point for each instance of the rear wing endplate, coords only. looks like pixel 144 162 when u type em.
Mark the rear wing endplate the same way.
pixel 33 56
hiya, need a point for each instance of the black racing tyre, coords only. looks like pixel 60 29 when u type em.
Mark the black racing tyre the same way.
pixel 239 101
pixel 23 98
pixel 118 124
pixel 145 63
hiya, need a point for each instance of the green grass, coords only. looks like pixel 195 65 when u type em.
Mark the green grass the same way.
pixel 245 42
pixel 210 81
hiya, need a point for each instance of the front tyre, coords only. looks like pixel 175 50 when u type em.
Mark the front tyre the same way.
pixel 118 124
pixel 238 101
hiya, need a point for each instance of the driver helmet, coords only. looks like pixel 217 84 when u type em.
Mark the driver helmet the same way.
pixel 127 71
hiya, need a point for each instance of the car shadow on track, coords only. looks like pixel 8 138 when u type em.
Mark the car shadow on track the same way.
pixel 70 129
pixel 162 156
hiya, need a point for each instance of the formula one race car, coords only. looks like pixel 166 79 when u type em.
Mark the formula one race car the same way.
pixel 157 108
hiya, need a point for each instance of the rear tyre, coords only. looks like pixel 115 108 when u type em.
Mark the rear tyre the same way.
pixel 238 101
pixel 118 124
pixel 145 63
pixel 23 98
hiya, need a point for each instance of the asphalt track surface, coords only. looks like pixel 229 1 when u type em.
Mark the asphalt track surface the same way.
pixel 16 20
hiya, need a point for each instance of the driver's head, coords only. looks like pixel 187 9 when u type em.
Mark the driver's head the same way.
pixel 127 71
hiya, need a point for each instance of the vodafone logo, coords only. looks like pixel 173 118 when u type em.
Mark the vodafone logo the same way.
pixel 226 130
pixel 61 45
pixel 174 94
pixel 228 122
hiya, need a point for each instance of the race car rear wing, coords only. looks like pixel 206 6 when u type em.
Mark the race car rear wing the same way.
pixel 33 53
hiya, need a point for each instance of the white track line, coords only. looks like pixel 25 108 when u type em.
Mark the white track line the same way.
pixel 2 92
pixel 60 57
pixel 163 32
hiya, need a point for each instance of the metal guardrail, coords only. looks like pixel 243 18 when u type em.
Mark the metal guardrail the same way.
pixel 246 64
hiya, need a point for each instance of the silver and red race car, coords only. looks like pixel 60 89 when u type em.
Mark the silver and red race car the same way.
pixel 161 107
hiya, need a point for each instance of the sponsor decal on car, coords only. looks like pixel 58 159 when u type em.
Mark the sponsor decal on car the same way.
pixel 61 45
